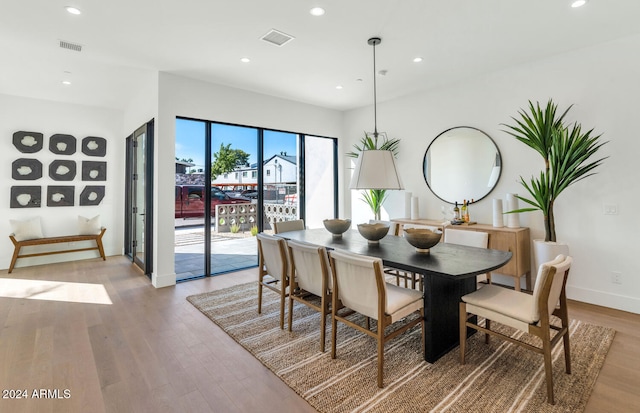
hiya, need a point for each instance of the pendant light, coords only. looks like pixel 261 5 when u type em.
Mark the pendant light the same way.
pixel 375 169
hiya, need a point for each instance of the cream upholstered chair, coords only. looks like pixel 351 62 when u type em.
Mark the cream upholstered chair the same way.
pixel 358 285
pixel 394 229
pixel 284 226
pixel 470 239
pixel 272 269
pixel 528 313
pixel 310 277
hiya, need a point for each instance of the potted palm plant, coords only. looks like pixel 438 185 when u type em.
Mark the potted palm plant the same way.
pixel 375 197
pixel 567 152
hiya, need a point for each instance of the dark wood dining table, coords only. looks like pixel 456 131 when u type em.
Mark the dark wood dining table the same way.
pixel 449 272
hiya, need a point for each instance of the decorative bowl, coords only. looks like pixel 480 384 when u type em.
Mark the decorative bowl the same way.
pixel 373 232
pixel 422 238
pixel 337 226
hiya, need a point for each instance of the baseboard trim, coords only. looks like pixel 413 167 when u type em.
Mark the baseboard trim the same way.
pixel 164 280
pixel 605 299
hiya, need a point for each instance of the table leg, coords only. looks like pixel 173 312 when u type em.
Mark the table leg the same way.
pixel 441 312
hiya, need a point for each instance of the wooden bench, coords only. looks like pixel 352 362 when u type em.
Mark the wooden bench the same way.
pixel 56 240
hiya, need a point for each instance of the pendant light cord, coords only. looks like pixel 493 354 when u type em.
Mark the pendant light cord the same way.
pixel 373 42
pixel 375 99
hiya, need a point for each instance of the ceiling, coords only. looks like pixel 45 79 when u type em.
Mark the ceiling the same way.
pixel 124 41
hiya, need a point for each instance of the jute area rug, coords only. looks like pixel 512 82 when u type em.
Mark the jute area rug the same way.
pixel 499 377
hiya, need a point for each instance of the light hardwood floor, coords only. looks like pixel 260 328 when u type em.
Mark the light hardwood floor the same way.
pixel 152 351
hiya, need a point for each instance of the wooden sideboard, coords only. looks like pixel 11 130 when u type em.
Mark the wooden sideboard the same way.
pixel 515 240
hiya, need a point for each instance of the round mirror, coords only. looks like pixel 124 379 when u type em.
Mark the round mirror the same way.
pixel 462 163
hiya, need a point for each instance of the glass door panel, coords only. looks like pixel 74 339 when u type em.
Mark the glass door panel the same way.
pixel 234 212
pixel 189 199
pixel 139 209
pixel 320 181
pixel 280 188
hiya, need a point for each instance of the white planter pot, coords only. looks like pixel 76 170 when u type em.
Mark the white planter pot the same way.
pixel 544 251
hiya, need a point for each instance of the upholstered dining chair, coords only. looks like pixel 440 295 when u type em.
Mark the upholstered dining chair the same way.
pixel 273 269
pixel 394 229
pixel 470 239
pixel 310 277
pixel 359 286
pixel 284 226
pixel 528 313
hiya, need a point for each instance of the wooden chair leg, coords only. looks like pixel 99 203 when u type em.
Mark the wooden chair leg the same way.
pixel 282 300
pixel 323 323
pixel 334 325
pixel 567 352
pixel 380 355
pixel 463 331
pixel 290 320
pixel 548 371
pixel 487 336
pixel 564 318
pixel 260 297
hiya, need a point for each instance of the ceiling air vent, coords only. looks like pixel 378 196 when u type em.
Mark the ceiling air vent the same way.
pixel 71 46
pixel 277 38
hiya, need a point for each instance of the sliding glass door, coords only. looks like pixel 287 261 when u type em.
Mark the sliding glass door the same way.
pixel 234 181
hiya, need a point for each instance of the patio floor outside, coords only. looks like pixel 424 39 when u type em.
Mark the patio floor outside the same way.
pixel 229 252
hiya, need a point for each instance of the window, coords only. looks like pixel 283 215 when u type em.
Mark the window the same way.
pixel 254 174
pixel 244 174
pixel 236 175
pixel 268 172
pixel 226 175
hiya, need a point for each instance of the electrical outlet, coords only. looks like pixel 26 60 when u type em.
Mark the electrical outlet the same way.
pixel 610 209
pixel 616 277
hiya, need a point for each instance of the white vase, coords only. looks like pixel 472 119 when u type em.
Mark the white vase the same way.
pixel 498 218
pixel 545 251
pixel 513 220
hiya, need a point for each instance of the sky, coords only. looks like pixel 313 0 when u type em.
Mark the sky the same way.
pixel 190 137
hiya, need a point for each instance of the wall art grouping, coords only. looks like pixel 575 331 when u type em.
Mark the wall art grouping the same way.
pixel 60 170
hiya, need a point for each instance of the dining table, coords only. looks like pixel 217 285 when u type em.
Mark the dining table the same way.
pixel 449 271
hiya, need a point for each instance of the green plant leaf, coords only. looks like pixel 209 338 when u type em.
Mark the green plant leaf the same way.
pixel 567 154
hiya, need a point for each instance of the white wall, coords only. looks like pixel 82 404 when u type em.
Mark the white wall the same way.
pixel 143 105
pixel 179 96
pixel 25 114
pixel 602 83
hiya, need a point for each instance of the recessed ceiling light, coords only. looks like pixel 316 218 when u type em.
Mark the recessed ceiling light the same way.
pixel 73 10
pixel 245 60
pixel 578 3
pixel 339 87
pixel 317 11
pixel 417 59
pixel 66 82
